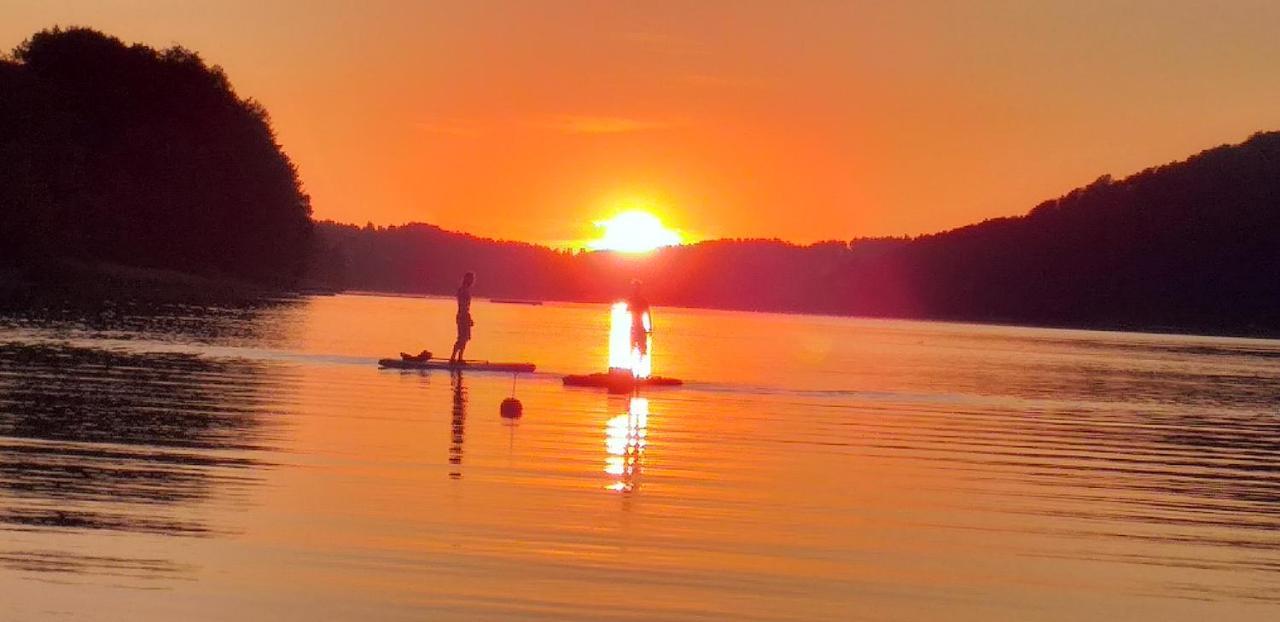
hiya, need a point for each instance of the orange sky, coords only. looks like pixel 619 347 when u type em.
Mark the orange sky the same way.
pixel 798 120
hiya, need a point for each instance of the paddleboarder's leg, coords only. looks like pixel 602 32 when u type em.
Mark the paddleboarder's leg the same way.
pixel 460 345
pixel 639 338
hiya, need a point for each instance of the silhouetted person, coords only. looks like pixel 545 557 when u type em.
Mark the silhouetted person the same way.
pixel 464 318
pixel 638 306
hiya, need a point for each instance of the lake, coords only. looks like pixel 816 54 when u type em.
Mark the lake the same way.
pixel 193 463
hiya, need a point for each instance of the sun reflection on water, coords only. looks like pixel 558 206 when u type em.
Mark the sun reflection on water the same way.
pixel 624 442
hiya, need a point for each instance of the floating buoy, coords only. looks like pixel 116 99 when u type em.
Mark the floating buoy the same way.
pixel 511 408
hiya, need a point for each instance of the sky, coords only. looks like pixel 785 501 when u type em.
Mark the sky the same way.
pixel 799 120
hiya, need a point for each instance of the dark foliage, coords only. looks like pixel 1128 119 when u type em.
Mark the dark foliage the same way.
pixel 142 157
pixel 420 258
pixel 1193 246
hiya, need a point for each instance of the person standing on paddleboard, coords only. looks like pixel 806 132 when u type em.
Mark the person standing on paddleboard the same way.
pixel 641 320
pixel 464 318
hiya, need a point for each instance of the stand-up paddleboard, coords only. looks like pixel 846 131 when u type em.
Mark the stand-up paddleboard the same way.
pixel 616 382
pixel 414 363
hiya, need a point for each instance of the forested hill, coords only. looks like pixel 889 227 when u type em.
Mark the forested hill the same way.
pixel 131 156
pixel 1192 245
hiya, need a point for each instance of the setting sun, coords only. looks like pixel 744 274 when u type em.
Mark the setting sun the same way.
pixel 634 231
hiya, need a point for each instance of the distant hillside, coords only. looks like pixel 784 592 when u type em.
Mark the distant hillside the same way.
pixel 737 274
pixel 126 165
pixel 1193 245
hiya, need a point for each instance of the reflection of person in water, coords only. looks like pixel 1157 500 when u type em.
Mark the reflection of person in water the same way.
pixel 457 425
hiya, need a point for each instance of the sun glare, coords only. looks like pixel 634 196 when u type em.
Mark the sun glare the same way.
pixel 634 231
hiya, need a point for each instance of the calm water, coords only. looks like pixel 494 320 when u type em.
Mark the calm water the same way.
pixel 214 464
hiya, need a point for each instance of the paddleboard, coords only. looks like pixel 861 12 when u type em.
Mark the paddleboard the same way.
pixel 618 383
pixel 464 366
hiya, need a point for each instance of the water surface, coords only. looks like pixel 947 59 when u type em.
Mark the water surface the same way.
pixel 209 464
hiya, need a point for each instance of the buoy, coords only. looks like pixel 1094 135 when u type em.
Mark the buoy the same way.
pixel 511 408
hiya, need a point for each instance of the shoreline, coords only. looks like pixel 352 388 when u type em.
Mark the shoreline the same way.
pixel 73 284
pixel 1084 327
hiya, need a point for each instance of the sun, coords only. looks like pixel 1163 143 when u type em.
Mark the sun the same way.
pixel 634 231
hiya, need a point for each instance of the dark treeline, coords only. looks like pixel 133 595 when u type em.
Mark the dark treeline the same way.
pixel 128 155
pixel 124 155
pixel 420 258
pixel 1193 245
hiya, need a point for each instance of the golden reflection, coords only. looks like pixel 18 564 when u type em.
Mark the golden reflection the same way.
pixel 457 425
pixel 624 443
pixel 621 353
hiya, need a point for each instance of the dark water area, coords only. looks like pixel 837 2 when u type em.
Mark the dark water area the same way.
pixel 196 463
pixel 95 440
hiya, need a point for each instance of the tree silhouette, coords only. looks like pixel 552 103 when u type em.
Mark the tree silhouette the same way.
pixel 1192 245
pixel 142 157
